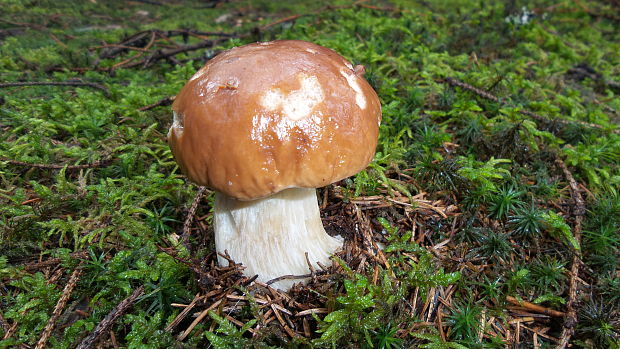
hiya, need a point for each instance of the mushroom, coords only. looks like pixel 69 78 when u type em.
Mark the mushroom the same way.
pixel 264 125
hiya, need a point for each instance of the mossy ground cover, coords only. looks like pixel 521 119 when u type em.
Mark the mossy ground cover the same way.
pixel 493 193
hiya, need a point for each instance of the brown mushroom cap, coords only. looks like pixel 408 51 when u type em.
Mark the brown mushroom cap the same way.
pixel 268 116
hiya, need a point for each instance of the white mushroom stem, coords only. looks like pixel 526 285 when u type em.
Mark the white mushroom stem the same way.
pixel 270 236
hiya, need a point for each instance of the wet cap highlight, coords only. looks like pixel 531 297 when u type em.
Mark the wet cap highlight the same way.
pixel 263 117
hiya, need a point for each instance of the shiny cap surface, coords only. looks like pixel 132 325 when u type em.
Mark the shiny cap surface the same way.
pixel 263 117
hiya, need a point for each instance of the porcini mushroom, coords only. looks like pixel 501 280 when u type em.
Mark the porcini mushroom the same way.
pixel 264 125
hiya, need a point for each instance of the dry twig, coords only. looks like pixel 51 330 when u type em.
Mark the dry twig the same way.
pixel 62 302
pixel 184 313
pixel 32 267
pixel 288 277
pixel 161 103
pixel 163 54
pixel 196 321
pixel 99 163
pixel 537 117
pixel 535 308
pixel 187 225
pixel 109 320
pixel 104 89
pixel 5 325
pixel 579 211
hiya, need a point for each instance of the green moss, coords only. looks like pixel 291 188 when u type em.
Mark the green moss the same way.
pixel 488 162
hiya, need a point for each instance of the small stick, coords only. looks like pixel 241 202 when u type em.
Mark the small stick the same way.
pixel 488 96
pixel 150 44
pixel 198 32
pixel 113 339
pixel 535 308
pixel 309 264
pixel 119 46
pixel 282 309
pixel 53 261
pixel 27 25
pixel 62 302
pixel 196 321
pixel 312 311
pixel 319 11
pixel 306 327
pixel 184 313
pixel 150 2
pixel 438 321
pixel 57 40
pixel 580 209
pixel 541 334
pixel 109 320
pixel 281 321
pixel 377 8
pixel 244 298
pixel 104 89
pixel 231 262
pixel 10 331
pixel 161 103
pixel 238 323
pixel 132 41
pixel 5 325
pixel 427 303
pixel 99 163
pixel 479 92
pixel 187 225
pixel 172 52
pixel 286 19
pixel 286 277
pixel 139 54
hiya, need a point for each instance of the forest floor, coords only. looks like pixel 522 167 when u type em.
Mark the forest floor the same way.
pixel 494 190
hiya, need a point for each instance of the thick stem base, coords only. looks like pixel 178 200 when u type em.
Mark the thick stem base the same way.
pixel 270 236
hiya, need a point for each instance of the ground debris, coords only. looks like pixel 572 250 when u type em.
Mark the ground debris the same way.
pixel 226 291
